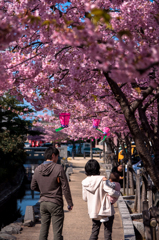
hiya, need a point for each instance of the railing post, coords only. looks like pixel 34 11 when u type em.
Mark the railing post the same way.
pixel 146 222
pixel 144 192
pixel 153 221
pixel 123 178
pixel 84 155
pixel 127 180
pixel 145 205
pixel 131 181
pixel 138 191
pixel 73 154
pixel 150 195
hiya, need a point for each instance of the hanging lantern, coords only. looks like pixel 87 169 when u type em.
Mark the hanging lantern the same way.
pixel 96 123
pixel 64 120
pixel 106 132
pixel 105 129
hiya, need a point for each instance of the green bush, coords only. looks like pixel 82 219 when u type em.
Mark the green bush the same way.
pixel 3 174
pixel 12 155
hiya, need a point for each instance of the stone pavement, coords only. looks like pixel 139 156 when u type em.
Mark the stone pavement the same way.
pixel 77 224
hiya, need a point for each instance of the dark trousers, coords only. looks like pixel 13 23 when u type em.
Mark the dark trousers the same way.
pixel 51 211
pixel 107 229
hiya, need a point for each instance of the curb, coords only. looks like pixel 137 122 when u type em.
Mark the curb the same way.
pixel 128 227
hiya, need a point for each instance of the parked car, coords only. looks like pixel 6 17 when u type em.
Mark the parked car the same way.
pixel 136 166
pixel 46 145
pixel 94 150
pixel 84 146
pixel 69 150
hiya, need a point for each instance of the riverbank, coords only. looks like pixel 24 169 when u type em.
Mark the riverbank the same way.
pixel 9 191
pixel 10 187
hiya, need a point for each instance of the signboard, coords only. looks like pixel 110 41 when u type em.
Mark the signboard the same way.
pixel 63 151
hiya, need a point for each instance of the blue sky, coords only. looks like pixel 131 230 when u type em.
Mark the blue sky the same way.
pixel 38 112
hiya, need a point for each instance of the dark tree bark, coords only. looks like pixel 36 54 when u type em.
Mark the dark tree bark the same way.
pixel 104 156
pixel 131 182
pixel 91 152
pixel 152 167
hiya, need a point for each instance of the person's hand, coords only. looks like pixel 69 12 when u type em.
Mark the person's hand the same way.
pixel 69 208
pixel 121 177
pixel 104 178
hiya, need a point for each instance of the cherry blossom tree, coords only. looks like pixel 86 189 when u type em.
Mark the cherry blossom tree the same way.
pixel 91 58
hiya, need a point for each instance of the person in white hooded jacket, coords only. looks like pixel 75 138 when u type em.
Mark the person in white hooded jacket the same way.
pixel 94 192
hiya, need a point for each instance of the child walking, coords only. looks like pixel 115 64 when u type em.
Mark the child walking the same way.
pixel 94 190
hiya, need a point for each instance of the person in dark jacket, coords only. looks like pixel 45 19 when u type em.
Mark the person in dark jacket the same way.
pixel 50 180
pixel 119 169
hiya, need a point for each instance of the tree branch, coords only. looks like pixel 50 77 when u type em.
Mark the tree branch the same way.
pixel 143 70
pixel 150 101
pixel 61 50
pixel 24 61
pixel 137 103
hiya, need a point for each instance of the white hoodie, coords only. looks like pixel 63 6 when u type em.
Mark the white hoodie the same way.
pixel 94 192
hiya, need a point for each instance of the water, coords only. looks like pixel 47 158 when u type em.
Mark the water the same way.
pixel 15 207
pixel 29 199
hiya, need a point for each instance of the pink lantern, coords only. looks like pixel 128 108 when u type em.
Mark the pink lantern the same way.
pixel 64 119
pixel 96 123
pixel 106 130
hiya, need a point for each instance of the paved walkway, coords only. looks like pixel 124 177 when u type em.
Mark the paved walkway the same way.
pixel 77 224
pixel 80 161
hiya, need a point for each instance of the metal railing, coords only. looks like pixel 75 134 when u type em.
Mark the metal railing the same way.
pixel 37 153
pixel 144 202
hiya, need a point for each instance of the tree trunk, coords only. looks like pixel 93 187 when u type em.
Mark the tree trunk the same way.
pixel 104 157
pixel 109 151
pixel 131 182
pixel 144 192
pixel 127 181
pixel 151 167
pixel 91 152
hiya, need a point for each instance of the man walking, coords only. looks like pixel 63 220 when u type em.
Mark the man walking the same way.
pixel 50 180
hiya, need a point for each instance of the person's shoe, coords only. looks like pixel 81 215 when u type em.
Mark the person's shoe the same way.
pixel 104 219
